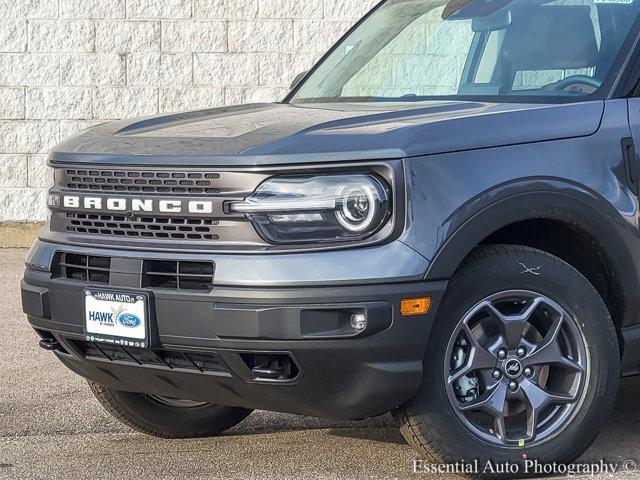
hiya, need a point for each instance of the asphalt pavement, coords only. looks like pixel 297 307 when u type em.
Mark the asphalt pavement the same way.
pixel 52 427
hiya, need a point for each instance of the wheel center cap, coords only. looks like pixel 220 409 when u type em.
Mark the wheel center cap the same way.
pixel 512 368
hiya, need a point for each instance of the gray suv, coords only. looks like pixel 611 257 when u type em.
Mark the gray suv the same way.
pixel 440 221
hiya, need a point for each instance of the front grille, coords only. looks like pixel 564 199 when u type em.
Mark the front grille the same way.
pixel 142 181
pixel 142 227
pixel 198 218
pixel 85 268
pixel 177 275
pixel 197 362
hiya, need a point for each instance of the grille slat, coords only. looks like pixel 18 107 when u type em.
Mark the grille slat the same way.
pixel 113 180
pixel 164 274
pixel 145 227
pixel 178 275
pixel 70 265
pixel 85 268
pixel 183 275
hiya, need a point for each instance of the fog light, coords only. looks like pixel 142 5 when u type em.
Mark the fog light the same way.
pixel 358 322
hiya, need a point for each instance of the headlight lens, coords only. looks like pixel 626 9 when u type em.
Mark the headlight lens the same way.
pixel 359 205
pixel 319 208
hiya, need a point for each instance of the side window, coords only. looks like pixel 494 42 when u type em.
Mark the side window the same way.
pixel 533 79
pixel 426 58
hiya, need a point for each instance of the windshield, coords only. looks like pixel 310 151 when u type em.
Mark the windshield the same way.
pixel 413 50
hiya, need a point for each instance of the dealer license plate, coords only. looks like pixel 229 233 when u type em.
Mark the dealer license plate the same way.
pixel 116 317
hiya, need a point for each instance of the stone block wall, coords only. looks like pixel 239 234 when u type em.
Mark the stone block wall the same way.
pixel 68 64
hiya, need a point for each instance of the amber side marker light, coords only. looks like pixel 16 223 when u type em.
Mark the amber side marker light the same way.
pixel 415 306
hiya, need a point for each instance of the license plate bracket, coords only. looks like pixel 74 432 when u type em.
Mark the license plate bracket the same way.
pixel 116 317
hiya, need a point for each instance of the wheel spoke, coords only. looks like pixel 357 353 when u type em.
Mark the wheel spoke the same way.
pixel 487 377
pixel 500 427
pixel 532 423
pixel 539 398
pixel 479 357
pixel 512 326
pixel 461 372
pixel 491 402
pixel 549 352
pixel 536 400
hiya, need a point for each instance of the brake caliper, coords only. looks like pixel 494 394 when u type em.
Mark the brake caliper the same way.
pixel 467 386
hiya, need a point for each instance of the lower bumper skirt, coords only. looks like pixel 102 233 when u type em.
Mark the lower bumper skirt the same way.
pixel 228 347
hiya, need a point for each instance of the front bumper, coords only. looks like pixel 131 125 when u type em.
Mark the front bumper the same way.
pixel 211 346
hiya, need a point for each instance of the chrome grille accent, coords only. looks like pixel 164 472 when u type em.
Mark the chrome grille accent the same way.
pixel 141 181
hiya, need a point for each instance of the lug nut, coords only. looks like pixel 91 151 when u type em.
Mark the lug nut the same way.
pixel 496 374
pixel 521 352
pixel 513 385
pixel 502 353
pixel 528 372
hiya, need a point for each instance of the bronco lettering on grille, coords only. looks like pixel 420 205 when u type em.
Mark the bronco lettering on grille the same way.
pixel 137 204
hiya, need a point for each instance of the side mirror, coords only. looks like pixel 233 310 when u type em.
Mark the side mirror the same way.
pixel 298 78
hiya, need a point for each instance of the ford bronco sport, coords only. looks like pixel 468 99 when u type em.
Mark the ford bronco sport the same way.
pixel 440 221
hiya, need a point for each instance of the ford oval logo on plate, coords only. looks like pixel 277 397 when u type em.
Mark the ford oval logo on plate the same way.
pixel 129 320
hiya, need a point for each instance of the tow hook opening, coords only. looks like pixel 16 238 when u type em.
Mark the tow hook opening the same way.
pixel 268 366
pixel 49 342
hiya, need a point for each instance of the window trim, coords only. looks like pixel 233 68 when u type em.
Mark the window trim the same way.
pixel 627 83
pixel 287 99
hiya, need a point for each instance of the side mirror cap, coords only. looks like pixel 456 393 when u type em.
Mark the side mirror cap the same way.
pixel 298 78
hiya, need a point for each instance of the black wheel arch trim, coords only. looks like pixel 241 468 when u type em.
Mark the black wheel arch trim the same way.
pixel 569 204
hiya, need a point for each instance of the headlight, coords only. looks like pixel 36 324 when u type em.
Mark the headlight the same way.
pixel 318 208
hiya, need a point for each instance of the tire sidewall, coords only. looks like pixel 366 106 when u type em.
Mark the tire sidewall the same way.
pixel 142 412
pixel 560 282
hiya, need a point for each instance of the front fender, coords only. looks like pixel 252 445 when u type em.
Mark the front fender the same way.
pixel 566 203
pixel 608 232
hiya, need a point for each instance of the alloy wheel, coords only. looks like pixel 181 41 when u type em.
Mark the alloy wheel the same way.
pixel 517 368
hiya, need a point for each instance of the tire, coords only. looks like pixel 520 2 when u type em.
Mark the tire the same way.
pixel 168 418
pixel 435 421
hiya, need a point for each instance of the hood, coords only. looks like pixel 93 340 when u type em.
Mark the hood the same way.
pixel 271 134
